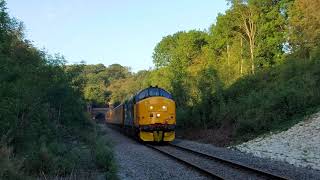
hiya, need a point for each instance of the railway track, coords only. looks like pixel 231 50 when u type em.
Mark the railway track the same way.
pixel 212 166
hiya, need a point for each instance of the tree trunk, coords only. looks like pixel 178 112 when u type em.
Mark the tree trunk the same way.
pixel 241 58
pixel 228 63
pixel 252 55
pixel 228 55
pixel 59 114
pixel 249 27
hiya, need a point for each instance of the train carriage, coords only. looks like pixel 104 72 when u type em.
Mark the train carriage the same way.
pixel 150 115
pixel 115 116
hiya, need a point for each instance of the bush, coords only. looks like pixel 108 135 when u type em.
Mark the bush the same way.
pixel 273 99
pixel 10 168
pixel 104 157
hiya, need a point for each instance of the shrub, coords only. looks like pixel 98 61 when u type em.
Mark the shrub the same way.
pixel 104 157
pixel 272 99
pixel 10 168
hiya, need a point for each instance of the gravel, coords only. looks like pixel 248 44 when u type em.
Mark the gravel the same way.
pixel 272 166
pixel 137 161
pixel 299 145
pixel 224 170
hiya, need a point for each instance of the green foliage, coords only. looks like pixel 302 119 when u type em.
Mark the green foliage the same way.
pixel 239 73
pixel 104 158
pixel 304 21
pixel 243 72
pixel 182 47
pixel 173 55
pixel 41 108
pixel 93 81
pixel 123 89
pixel 270 99
pixel 200 68
pixel 9 166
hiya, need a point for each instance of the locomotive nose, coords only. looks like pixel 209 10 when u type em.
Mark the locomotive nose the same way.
pixel 157 115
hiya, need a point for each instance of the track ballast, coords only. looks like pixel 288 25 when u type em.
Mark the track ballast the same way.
pixel 213 166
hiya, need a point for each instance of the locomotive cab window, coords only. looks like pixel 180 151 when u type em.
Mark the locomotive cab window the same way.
pixel 165 94
pixel 143 94
pixel 153 92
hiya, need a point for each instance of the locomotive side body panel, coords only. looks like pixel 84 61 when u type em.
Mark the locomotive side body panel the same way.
pixel 129 114
pixel 116 115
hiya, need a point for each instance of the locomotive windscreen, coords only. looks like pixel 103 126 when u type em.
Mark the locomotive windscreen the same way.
pixel 151 92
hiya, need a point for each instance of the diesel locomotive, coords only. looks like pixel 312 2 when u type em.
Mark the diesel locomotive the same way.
pixel 149 115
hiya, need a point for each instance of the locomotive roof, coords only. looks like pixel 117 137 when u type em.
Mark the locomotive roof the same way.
pixel 151 92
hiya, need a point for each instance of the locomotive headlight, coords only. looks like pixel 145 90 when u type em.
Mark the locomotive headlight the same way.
pixel 158 115
pixel 151 107
pixel 164 107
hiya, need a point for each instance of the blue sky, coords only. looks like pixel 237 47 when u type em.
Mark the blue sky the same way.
pixel 110 31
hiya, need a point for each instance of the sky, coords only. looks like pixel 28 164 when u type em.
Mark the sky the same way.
pixel 110 31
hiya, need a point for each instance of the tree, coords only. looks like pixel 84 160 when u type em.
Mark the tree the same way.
pixel 123 89
pixel 271 32
pixel 262 23
pixel 116 71
pixel 247 18
pixel 176 53
pixel 184 46
pixel 227 45
pixel 304 21
pixel 39 105
pixel 93 80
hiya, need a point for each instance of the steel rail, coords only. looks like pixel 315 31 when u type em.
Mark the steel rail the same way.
pixel 229 162
pixel 204 171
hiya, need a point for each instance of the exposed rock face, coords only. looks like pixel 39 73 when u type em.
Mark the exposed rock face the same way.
pixel 300 145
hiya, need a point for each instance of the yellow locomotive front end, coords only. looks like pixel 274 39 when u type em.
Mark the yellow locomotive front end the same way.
pixel 155 115
pixel 149 115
